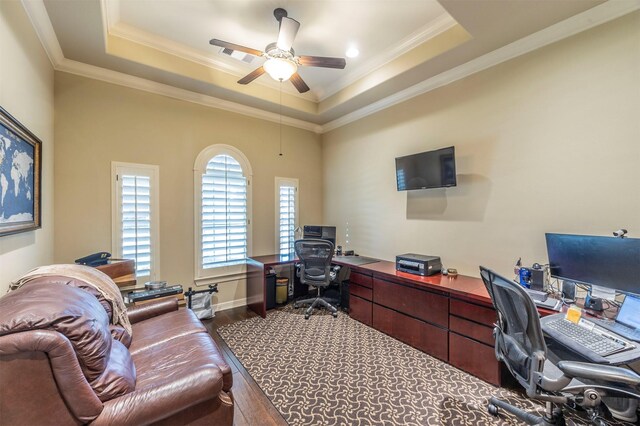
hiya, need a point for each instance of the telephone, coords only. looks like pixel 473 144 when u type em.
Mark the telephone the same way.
pixel 95 259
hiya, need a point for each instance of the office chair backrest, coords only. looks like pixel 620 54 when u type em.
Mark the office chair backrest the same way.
pixel 315 258
pixel 519 339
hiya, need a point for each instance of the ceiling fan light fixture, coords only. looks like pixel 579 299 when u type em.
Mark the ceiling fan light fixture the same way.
pixel 280 69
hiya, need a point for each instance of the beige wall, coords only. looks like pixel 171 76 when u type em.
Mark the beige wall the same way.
pixel 548 142
pixel 26 92
pixel 97 123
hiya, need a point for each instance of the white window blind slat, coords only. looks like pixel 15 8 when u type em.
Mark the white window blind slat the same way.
pixel 135 221
pixel 224 212
pixel 286 217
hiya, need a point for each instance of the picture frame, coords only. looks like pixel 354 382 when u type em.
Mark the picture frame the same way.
pixel 20 177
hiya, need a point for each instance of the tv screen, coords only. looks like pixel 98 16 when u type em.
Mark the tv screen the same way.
pixel 431 169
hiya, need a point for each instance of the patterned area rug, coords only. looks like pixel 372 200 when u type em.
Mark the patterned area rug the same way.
pixel 337 371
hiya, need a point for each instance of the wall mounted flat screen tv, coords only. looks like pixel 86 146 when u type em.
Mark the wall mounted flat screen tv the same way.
pixel 431 169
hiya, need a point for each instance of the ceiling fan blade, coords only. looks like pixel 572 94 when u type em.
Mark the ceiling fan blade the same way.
pixel 233 46
pixel 288 30
pixel 251 76
pixel 320 61
pixel 299 83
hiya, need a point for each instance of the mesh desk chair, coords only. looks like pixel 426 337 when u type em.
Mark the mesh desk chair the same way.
pixel 315 270
pixel 519 343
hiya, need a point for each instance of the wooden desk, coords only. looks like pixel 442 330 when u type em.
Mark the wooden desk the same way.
pixel 450 318
pixel 256 285
pixel 121 271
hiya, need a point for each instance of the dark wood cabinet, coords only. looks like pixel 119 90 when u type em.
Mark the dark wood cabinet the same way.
pixel 471 340
pixel 360 279
pixel 360 291
pixel 473 312
pixel 475 358
pixel 481 333
pixel 425 305
pixel 360 309
pixel 412 331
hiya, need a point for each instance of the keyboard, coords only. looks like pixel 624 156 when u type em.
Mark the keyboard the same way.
pixel 601 344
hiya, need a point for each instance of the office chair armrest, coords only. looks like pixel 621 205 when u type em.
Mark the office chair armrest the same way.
pixel 333 271
pixel 585 370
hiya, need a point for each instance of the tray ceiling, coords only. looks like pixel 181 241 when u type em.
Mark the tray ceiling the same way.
pixel 403 44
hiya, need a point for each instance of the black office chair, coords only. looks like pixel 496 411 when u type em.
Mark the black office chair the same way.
pixel 519 343
pixel 315 269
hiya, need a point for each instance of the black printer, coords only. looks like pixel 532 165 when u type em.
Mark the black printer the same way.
pixel 418 264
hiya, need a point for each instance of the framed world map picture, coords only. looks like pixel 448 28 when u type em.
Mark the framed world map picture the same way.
pixel 20 170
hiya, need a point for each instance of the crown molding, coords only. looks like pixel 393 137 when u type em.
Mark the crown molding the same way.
pixel 432 29
pixel 593 17
pixel 39 18
pixel 122 79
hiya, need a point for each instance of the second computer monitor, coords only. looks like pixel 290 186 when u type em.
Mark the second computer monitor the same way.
pixel 602 261
pixel 320 232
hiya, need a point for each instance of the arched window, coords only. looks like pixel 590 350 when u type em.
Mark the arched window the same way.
pixel 222 177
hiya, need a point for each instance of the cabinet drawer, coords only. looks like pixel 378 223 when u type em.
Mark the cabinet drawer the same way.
pixel 421 304
pixel 361 279
pixel 360 291
pixel 470 329
pixel 486 316
pixel 474 358
pixel 419 334
pixel 360 309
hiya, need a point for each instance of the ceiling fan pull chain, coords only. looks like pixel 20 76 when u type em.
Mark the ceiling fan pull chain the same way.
pixel 280 154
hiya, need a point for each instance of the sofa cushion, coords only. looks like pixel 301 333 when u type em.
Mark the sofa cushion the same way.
pixel 172 377
pixel 119 378
pixel 70 311
pixel 157 330
pixel 175 359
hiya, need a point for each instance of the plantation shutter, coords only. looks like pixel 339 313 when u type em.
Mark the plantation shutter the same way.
pixel 287 217
pixel 224 213
pixel 135 206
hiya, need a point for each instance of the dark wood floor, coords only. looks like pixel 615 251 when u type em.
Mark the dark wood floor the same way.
pixel 252 407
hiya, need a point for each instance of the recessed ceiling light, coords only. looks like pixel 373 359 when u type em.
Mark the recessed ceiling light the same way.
pixel 352 52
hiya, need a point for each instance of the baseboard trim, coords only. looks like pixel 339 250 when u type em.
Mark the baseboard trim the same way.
pixel 229 305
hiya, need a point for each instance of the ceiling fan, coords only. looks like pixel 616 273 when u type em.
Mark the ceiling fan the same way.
pixel 282 62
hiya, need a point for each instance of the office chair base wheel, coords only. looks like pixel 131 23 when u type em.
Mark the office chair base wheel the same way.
pixel 493 410
pixel 306 316
pixel 335 314
pixel 296 306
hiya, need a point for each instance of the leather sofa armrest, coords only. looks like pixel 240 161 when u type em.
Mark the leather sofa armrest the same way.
pixel 72 385
pixel 156 403
pixel 152 309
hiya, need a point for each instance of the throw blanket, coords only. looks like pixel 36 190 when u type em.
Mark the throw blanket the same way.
pixel 93 277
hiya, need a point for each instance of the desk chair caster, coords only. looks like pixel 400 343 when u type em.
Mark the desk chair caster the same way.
pixel 552 417
pixel 314 302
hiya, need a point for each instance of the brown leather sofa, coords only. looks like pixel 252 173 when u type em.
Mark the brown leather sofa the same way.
pixel 63 363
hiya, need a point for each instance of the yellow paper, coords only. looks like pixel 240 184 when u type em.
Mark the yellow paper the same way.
pixel 573 314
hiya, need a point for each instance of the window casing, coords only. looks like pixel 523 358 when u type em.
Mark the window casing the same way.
pixel 287 214
pixel 135 217
pixel 222 182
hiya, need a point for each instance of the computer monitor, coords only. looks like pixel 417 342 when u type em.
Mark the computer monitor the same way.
pixel 601 261
pixel 321 232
